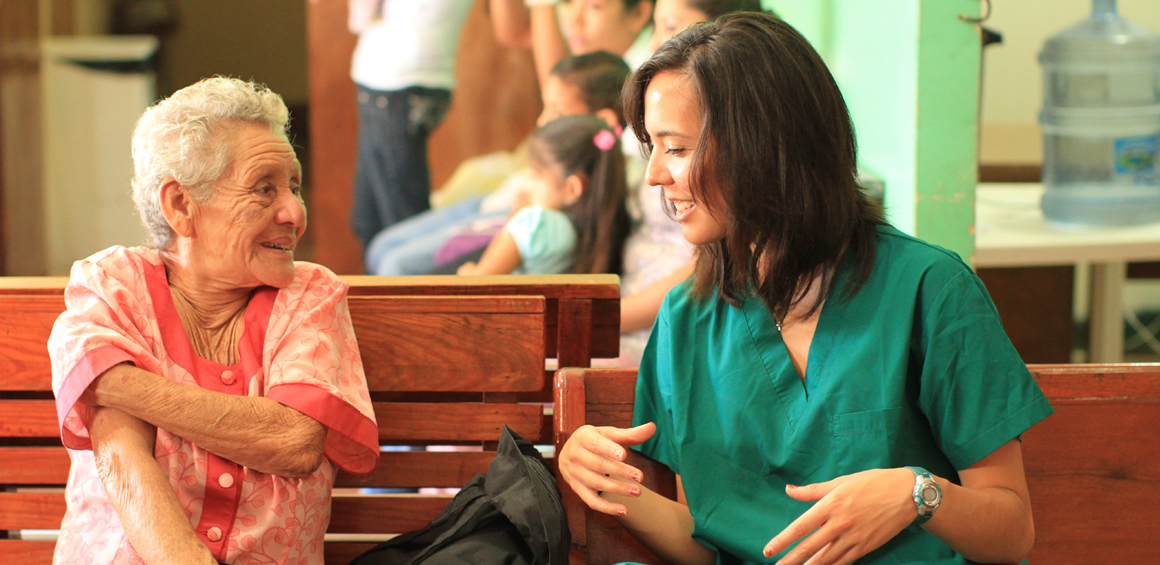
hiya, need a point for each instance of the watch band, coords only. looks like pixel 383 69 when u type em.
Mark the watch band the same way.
pixel 927 494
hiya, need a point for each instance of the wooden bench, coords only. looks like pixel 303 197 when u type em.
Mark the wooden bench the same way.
pixel 449 360
pixel 1093 467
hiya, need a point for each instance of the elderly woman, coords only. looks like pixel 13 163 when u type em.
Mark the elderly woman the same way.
pixel 208 385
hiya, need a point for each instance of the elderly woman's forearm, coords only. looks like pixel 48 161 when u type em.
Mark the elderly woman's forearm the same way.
pixel 140 492
pixel 257 433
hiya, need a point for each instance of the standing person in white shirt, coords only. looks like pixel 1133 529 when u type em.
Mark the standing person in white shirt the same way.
pixel 404 71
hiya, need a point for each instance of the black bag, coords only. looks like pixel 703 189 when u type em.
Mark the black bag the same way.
pixel 511 516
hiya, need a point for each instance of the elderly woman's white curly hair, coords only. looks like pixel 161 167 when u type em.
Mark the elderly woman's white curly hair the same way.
pixel 181 137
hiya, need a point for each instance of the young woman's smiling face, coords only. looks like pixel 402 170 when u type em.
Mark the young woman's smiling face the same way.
pixel 672 118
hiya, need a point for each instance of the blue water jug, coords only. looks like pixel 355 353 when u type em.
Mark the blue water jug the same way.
pixel 1101 122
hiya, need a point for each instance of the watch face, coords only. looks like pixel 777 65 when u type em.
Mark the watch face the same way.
pixel 929 495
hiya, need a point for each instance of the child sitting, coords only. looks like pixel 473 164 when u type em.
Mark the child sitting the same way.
pixel 582 84
pixel 577 221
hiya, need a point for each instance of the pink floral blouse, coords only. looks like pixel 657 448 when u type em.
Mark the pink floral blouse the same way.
pixel 298 347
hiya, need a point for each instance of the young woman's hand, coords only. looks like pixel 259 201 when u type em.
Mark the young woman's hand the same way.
pixel 855 514
pixel 592 461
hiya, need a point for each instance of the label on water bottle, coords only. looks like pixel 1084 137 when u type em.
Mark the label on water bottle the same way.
pixel 1135 157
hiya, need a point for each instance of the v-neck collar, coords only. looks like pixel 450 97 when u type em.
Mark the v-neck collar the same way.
pixel 180 349
pixel 769 346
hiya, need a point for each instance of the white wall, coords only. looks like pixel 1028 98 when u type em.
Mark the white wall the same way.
pixel 1011 77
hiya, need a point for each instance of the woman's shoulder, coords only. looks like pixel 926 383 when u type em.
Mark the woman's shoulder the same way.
pixel 899 254
pixel 312 277
pixel 116 263
pixel 682 304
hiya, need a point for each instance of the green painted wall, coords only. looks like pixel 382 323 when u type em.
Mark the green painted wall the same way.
pixel 909 72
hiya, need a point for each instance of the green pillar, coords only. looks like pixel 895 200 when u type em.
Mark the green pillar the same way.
pixel 949 53
pixel 909 71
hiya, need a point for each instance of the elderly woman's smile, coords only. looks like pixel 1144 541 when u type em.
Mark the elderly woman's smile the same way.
pixel 245 234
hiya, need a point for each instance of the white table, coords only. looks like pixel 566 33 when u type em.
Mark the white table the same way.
pixel 1010 232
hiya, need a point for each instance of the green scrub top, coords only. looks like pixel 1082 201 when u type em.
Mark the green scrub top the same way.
pixel 914 369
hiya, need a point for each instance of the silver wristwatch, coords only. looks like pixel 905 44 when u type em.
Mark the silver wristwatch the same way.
pixel 927 494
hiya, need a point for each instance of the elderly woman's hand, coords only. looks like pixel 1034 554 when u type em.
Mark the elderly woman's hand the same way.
pixel 593 456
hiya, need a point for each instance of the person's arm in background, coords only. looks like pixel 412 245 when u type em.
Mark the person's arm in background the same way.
pixel 361 14
pixel 255 432
pixel 501 257
pixel 519 24
pixel 510 22
pixel 140 492
pixel 548 43
pixel 639 311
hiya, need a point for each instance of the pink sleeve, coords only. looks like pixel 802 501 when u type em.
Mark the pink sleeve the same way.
pixel 316 369
pixel 98 329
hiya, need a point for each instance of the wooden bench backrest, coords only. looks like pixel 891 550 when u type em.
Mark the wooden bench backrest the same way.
pixel 1091 467
pixel 442 369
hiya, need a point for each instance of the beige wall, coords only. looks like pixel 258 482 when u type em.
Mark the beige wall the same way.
pixel 264 40
pixel 1011 76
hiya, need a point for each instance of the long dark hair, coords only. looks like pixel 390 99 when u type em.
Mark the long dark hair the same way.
pixel 777 151
pixel 599 216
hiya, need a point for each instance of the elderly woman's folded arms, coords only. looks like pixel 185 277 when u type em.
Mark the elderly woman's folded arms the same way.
pixel 207 385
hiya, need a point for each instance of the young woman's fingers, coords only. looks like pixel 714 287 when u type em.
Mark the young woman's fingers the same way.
pixel 591 484
pixel 629 436
pixel 595 471
pixel 808 547
pixel 809 521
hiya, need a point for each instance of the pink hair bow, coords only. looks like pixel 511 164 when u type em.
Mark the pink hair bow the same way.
pixel 604 140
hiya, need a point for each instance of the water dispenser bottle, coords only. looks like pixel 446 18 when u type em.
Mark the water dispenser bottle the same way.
pixel 1101 122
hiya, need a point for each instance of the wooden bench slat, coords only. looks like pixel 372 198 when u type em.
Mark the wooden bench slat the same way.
pixel 383 514
pixel 34 465
pixel 31 510
pixel 25 324
pixel 26 551
pixel 44 466
pixel 398 421
pixel 448 343
pixel 355 515
pixel 602 290
pixel 341 553
pixel 413 421
pixel 420 469
pixel 28 418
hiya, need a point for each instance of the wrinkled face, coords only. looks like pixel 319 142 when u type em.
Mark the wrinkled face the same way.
pixel 246 232
pixel 673 17
pixel 672 118
pixel 595 25
pixel 561 99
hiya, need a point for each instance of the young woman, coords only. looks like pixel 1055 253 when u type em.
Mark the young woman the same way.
pixel 577 220
pixel 815 345
pixel 656 256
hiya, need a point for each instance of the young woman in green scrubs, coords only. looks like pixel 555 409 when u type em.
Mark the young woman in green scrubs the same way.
pixel 814 346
